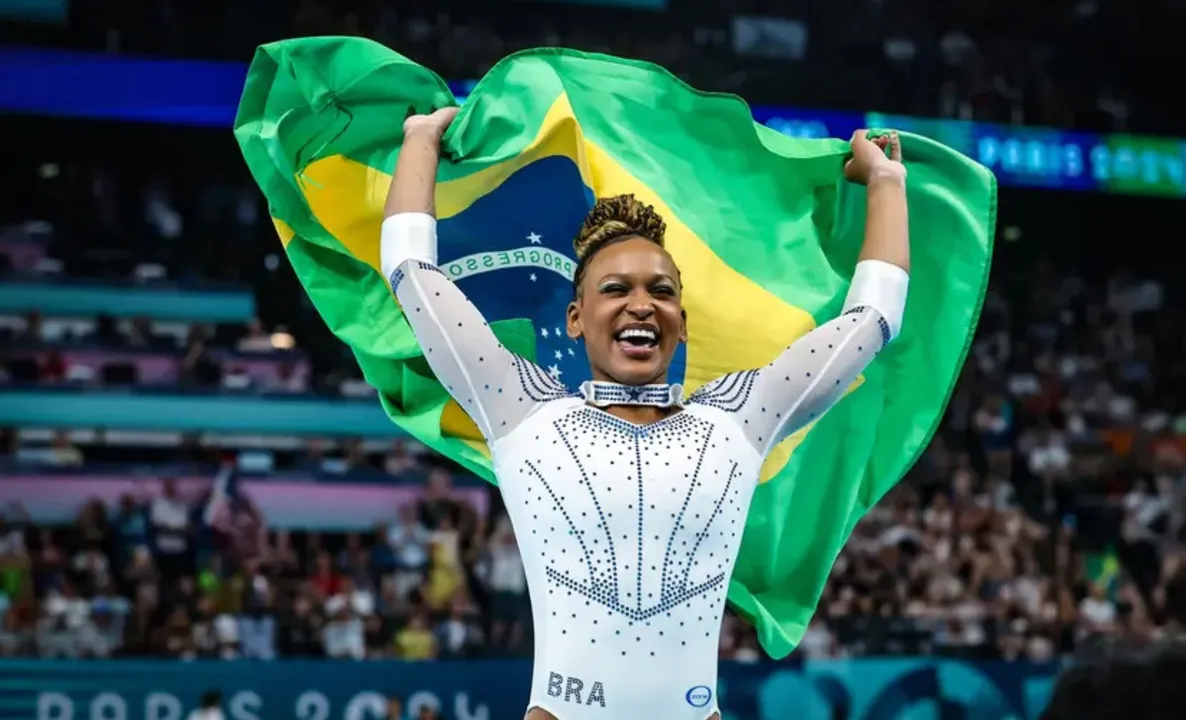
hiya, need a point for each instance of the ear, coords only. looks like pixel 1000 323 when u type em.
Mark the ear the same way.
pixel 683 325
pixel 572 321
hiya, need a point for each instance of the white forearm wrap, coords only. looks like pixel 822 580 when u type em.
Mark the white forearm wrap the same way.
pixel 407 236
pixel 881 286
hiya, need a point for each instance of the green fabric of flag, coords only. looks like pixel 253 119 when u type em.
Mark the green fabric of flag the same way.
pixel 764 228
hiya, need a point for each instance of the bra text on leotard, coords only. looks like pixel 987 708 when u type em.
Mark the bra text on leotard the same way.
pixel 570 689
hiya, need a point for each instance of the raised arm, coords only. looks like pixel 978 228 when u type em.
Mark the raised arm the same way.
pixel 815 371
pixel 495 387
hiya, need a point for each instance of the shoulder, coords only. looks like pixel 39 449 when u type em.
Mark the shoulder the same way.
pixel 537 384
pixel 728 392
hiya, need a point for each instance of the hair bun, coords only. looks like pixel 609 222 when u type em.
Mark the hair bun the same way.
pixel 615 217
pixel 586 242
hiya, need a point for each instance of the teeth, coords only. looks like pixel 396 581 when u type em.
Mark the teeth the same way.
pixel 638 333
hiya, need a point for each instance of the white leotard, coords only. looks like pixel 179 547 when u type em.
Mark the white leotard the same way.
pixel 628 533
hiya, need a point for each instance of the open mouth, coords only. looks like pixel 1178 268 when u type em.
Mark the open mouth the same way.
pixel 637 341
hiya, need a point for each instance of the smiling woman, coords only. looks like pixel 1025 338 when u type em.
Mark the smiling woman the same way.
pixel 628 500
pixel 627 288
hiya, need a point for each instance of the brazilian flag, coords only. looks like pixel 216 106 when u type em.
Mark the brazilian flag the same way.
pixel 764 229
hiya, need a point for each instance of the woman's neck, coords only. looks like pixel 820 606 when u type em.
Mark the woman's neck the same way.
pixel 603 377
pixel 640 414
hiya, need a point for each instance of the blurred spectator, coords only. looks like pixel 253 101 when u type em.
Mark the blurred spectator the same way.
pixel 210 707
pixel 1097 612
pixel 300 630
pixel 63 453
pixel 399 459
pixel 408 540
pixel 256 339
pixel 172 532
pixel 437 504
pixel 416 641
pixel 458 634
pixel 445 573
pixel 507 585
pixel 344 634
pixel 325 580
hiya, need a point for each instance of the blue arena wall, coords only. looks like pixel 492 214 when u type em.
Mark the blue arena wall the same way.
pixel 894 689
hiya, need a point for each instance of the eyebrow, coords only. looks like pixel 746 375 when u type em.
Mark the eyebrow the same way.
pixel 626 276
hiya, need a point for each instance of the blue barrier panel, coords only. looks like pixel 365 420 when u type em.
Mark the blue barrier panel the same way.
pixel 206 93
pixel 69 299
pixel 897 689
pixel 197 412
pixel 44 11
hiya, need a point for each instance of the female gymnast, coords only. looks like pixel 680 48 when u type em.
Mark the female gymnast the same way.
pixel 628 499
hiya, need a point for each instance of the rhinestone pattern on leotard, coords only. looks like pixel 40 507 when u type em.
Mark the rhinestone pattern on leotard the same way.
pixel 628 533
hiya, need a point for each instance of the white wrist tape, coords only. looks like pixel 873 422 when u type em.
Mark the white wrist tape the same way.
pixel 407 236
pixel 881 286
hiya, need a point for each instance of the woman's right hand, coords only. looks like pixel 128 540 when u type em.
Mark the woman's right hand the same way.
pixel 433 124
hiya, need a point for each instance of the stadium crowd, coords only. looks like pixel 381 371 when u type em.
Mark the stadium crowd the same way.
pixel 1004 62
pixel 1049 510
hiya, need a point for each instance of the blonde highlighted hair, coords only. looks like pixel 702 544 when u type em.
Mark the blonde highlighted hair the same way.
pixel 611 220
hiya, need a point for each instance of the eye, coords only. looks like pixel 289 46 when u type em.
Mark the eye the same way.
pixel 614 288
pixel 663 291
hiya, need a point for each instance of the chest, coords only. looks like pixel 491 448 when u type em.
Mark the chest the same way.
pixel 591 494
pixel 691 461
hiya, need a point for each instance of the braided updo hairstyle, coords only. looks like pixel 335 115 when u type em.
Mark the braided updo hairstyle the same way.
pixel 612 220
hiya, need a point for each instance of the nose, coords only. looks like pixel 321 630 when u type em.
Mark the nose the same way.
pixel 640 306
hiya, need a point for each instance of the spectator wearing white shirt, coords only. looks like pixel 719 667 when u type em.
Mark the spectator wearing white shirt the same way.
pixel 169 517
pixel 408 539
pixel 1049 460
pixel 1048 456
pixel 507 583
pixel 1096 612
pixel 344 635
pixel 359 601
pixel 66 619
pixel 226 636
pixel 1146 512
pixel 13 520
pixel 1146 523
pixel 457 633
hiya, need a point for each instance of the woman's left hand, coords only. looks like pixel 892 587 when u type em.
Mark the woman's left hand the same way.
pixel 869 156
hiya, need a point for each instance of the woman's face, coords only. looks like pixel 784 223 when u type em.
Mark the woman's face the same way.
pixel 629 313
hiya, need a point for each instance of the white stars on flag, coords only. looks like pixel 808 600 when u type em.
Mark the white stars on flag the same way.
pixel 543 332
pixel 555 372
pixel 533 277
pixel 535 238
